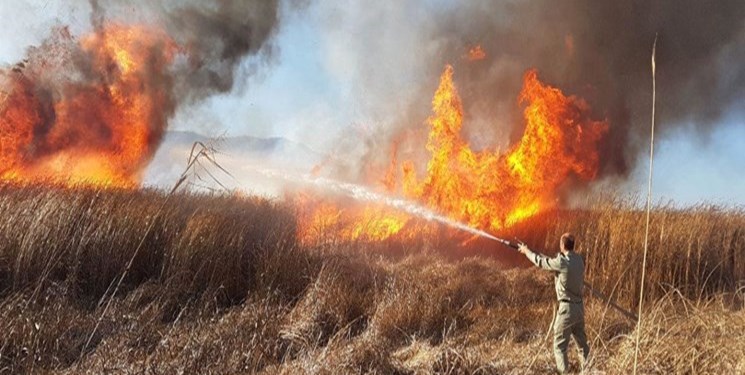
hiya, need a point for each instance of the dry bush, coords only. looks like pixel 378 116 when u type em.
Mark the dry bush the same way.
pixel 684 336
pixel 341 299
pixel 86 237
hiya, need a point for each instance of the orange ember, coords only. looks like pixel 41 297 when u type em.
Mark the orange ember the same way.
pixel 99 126
pixel 476 53
pixel 485 189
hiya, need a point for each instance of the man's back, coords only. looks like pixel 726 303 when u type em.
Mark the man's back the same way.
pixel 569 271
pixel 570 279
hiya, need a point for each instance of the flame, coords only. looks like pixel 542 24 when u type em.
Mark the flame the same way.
pixel 486 189
pixel 95 125
pixel 476 53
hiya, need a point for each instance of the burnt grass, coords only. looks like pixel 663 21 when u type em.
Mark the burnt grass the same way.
pixel 220 284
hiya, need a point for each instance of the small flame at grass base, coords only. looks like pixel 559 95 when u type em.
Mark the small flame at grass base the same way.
pixel 364 194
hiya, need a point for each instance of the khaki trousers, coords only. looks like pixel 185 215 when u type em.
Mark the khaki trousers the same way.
pixel 570 321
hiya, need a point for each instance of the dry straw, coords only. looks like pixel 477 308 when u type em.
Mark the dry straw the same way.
pixel 222 286
pixel 203 151
pixel 649 209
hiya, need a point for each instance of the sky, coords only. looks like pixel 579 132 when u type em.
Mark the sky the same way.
pixel 321 84
pixel 691 170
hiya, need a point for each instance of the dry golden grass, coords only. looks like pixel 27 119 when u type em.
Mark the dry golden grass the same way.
pixel 221 286
pixel 698 250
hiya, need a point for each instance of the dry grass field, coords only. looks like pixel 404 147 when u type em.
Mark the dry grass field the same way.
pixel 218 284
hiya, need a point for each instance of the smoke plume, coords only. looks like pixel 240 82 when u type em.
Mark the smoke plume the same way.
pixel 596 50
pixel 600 51
pixel 214 36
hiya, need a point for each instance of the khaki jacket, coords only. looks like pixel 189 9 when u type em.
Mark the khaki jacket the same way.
pixel 569 275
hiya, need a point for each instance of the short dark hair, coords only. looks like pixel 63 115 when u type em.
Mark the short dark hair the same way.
pixel 567 239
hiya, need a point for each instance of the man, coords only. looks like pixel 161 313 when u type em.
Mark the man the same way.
pixel 569 277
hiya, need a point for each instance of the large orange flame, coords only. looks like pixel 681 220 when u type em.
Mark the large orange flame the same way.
pixel 485 189
pixel 95 125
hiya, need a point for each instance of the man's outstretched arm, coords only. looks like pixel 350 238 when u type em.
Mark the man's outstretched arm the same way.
pixel 541 261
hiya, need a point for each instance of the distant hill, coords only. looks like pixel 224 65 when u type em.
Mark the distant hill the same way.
pixel 234 152
pixel 243 144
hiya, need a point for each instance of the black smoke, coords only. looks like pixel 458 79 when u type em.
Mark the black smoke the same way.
pixel 215 36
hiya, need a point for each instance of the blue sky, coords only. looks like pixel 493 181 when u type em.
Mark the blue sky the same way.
pixel 691 168
pixel 324 80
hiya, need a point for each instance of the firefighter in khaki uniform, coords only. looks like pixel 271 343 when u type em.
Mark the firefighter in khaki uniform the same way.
pixel 569 278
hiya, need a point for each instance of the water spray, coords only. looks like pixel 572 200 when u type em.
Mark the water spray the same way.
pixel 362 193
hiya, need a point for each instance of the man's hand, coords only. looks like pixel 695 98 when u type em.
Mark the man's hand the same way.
pixel 523 248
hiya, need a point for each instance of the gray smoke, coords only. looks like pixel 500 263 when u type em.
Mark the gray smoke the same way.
pixel 388 55
pixel 214 35
pixel 600 51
